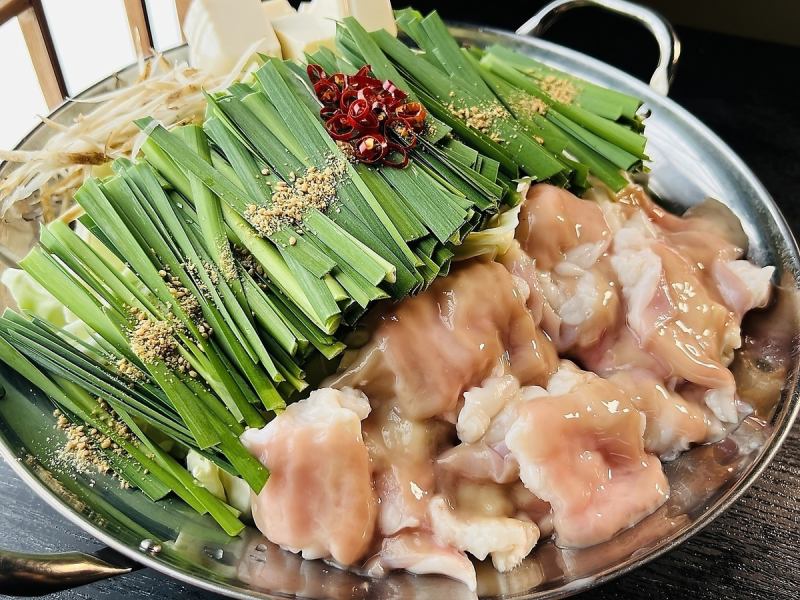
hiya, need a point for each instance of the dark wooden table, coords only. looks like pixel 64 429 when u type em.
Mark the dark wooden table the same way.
pixel 742 90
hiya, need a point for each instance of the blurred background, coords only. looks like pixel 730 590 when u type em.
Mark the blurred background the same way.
pixel 739 51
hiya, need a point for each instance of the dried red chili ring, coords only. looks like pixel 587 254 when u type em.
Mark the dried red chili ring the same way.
pixel 349 95
pixel 371 148
pixel 341 127
pixel 413 112
pixel 392 100
pixel 389 86
pixel 361 112
pixel 379 111
pixel 393 150
pixel 402 130
pixel 316 73
pixel 327 92
pixel 392 93
pixel 328 110
pixel 369 94
pixel 373 116
pixel 365 71
pixel 362 83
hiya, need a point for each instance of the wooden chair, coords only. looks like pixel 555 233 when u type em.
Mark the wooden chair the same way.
pixel 33 23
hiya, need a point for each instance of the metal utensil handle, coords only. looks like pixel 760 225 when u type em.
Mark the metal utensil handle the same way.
pixel 40 574
pixel 669 46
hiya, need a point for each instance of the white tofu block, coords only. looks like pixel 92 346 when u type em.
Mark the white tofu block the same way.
pixel 220 32
pixel 330 9
pixel 274 9
pixel 373 14
pixel 298 34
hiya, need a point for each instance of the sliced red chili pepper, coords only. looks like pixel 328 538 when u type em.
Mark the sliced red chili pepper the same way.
pixel 366 112
pixel 341 127
pixel 401 129
pixel 365 71
pixel 328 110
pixel 396 156
pixel 349 95
pixel 378 110
pixel 413 112
pixel 391 99
pixel 327 92
pixel 361 83
pixel 368 93
pixel 316 73
pixel 361 112
pixel 371 148
pixel 392 95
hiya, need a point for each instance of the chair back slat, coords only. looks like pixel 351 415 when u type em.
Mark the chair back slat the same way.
pixel 136 11
pixel 37 36
pixel 182 7
pixel 43 55
pixel 11 8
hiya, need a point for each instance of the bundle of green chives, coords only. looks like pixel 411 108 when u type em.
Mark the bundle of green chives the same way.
pixel 500 102
pixel 232 260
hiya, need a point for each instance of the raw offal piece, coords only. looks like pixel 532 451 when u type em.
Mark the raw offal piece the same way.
pixel 319 499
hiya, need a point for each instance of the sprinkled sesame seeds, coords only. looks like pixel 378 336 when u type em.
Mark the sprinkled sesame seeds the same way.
pixel 558 88
pixel 129 370
pixel 186 300
pixel 213 272
pixel 347 150
pixel 227 266
pixel 481 118
pixel 316 188
pixel 526 105
pixel 84 447
pixel 250 265
pixel 153 341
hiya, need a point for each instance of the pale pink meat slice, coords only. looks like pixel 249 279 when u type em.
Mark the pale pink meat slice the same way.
pixel 620 350
pixel 562 256
pixel 710 237
pixel 507 540
pixel 706 232
pixel 677 316
pixel 319 498
pixel 581 450
pixel 743 285
pixel 479 462
pixel 553 221
pixel 483 403
pixel 540 288
pixel 418 552
pixel 432 347
pixel 673 423
pixel 487 414
pixel 480 477
pixel 402 453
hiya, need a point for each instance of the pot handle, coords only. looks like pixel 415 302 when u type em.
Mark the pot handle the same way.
pixel 669 46
pixel 40 574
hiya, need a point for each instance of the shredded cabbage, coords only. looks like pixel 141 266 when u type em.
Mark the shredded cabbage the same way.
pixel 32 298
pixel 223 485
pixel 493 241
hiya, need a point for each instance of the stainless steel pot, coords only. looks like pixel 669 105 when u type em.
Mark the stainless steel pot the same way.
pixel 689 163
